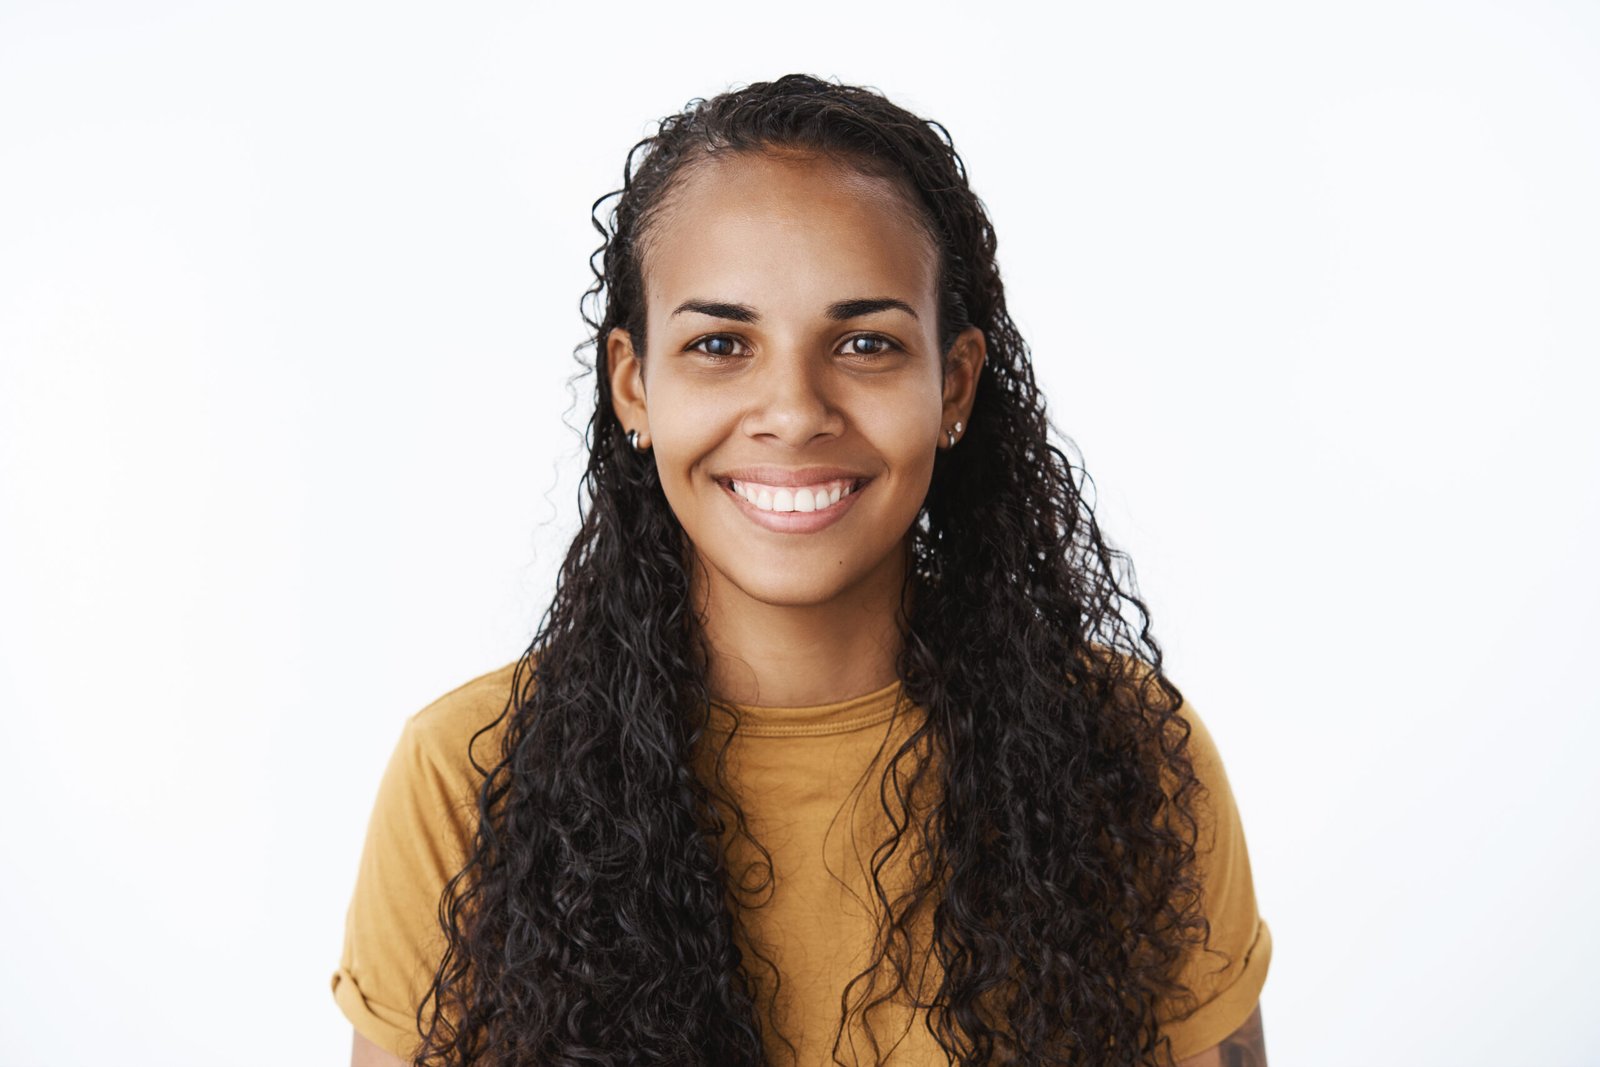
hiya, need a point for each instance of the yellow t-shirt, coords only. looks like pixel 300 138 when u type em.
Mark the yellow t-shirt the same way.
pixel 801 776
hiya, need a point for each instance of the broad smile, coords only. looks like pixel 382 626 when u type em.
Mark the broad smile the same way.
pixel 796 521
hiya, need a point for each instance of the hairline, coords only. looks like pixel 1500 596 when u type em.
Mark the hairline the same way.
pixel 704 155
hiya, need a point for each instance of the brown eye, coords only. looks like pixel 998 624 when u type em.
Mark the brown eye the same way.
pixel 855 346
pixel 717 346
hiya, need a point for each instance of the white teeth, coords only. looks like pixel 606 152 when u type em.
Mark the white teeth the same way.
pixel 785 498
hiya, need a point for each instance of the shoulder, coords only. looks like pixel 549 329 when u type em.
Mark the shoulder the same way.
pixel 1144 692
pixel 1201 746
pixel 1141 685
pixel 436 762
pixel 466 709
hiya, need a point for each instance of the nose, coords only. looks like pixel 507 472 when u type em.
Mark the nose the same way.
pixel 792 400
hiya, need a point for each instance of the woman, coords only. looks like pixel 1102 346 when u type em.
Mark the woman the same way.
pixel 834 742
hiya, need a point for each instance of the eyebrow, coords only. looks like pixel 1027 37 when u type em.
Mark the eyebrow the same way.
pixel 839 310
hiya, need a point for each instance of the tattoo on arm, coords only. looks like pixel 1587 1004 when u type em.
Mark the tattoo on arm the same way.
pixel 1246 1046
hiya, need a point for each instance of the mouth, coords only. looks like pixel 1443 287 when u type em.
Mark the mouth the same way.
pixel 752 491
pixel 800 510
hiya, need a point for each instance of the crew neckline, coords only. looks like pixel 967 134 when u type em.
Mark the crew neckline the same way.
pixel 811 720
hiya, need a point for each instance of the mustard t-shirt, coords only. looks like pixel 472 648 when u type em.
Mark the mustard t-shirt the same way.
pixel 802 778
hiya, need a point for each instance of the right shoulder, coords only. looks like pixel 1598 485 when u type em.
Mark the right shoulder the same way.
pixel 468 706
pixel 445 735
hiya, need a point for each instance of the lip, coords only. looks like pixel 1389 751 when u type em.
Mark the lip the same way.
pixel 791 476
pixel 795 521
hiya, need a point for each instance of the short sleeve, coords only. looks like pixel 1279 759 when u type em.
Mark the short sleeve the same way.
pixel 1226 983
pixel 416 841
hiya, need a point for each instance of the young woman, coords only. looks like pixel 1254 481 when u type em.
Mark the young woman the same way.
pixel 835 744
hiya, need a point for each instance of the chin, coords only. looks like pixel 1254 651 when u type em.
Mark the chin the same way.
pixel 788 589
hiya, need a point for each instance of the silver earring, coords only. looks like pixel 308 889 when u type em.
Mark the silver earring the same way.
pixel 633 440
pixel 950 435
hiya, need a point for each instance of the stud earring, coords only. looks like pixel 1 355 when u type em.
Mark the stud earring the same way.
pixel 950 435
pixel 633 441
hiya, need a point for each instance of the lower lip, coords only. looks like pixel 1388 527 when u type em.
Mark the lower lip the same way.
pixel 795 521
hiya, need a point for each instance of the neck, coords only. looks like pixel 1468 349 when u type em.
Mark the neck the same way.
pixel 794 655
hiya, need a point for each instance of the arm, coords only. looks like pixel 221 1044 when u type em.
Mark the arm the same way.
pixel 364 1053
pixel 1245 1047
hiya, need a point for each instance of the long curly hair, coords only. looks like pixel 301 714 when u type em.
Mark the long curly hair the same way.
pixel 594 921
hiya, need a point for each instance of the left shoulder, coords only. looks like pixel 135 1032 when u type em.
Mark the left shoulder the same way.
pixel 1141 690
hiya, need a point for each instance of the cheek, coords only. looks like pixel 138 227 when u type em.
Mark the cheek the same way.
pixel 903 431
pixel 686 424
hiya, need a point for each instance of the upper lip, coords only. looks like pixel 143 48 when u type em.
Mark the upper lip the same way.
pixel 791 476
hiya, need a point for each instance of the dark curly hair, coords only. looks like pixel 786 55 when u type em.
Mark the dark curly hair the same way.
pixel 593 921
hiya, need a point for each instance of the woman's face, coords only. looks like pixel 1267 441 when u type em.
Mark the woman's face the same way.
pixel 792 350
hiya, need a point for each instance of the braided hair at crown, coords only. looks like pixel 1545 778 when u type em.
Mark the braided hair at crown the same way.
pixel 593 922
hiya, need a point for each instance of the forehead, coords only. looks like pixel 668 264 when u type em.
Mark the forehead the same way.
pixel 803 230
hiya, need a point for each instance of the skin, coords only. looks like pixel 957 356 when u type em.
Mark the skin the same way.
pixel 793 619
pixel 1245 1047
pixel 797 619
pixel 364 1053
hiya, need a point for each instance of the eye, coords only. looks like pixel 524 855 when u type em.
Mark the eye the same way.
pixel 722 346
pixel 885 346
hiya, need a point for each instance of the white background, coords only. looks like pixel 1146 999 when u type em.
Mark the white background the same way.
pixel 288 303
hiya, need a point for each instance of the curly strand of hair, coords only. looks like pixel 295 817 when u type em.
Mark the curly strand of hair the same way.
pixel 596 920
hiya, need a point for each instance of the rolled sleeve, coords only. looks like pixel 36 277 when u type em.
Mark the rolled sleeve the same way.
pixel 415 843
pixel 1226 977
pixel 391 1030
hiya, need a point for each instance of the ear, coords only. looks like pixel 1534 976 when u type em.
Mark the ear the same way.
pixel 626 371
pixel 962 367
